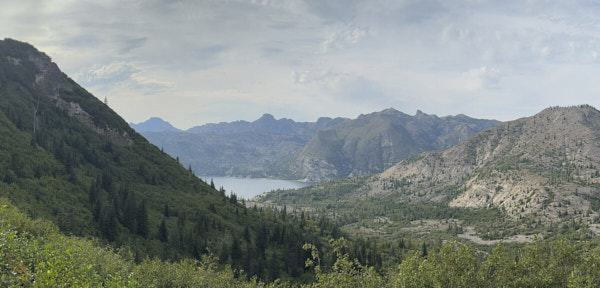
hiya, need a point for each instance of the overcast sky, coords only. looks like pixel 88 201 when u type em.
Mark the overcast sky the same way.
pixel 196 62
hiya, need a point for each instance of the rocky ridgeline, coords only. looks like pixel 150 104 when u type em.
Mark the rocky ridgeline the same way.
pixel 54 84
pixel 372 143
pixel 314 151
pixel 546 166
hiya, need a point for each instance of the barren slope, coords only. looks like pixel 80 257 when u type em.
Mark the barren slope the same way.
pixel 546 165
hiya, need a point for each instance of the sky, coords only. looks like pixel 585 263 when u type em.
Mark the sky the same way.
pixel 204 61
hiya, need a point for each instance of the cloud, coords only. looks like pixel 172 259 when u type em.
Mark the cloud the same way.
pixel 315 77
pixel 102 74
pixel 358 89
pixel 150 85
pixel 120 74
pixel 334 10
pixel 344 36
pixel 481 78
pixel 429 54
pixel 127 45
pixel 339 86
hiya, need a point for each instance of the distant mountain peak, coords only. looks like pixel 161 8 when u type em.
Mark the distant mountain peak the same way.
pixel 154 124
pixel 389 110
pixel 266 117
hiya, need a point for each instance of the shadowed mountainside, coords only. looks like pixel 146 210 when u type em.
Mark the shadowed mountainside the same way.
pixel 261 148
pixel 374 142
pixel 328 148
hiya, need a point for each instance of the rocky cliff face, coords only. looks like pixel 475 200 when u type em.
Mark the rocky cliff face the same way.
pixel 545 166
pixel 57 86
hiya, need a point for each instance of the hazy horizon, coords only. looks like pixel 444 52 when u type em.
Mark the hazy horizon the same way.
pixel 198 62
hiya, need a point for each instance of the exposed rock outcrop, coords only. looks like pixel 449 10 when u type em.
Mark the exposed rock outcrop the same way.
pixel 545 165
pixel 52 82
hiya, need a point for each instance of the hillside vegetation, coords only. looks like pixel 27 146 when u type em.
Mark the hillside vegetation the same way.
pixel 68 158
pixel 35 254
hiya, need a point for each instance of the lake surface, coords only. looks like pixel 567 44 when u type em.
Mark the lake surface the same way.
pixel 249 187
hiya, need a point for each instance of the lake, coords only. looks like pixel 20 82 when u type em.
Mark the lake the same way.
pixel 249 187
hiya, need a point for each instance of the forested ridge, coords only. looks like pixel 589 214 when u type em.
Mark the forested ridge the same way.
pixel 68 158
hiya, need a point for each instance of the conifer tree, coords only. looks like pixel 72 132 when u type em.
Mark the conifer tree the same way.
pixel 166 211
pixel 143 228
pixel 163 235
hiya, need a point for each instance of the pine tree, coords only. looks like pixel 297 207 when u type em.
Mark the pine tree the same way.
pixel 143 228
pixel 247 233
pixel 163 235
pixel 166 211
pixel 130 212
pixel 108 223
pixel 236 250
pixel 273 265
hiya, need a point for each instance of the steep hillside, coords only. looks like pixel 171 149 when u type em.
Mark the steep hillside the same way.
pixel 545 165
pixel 67 157
pixel 374 142
pixel 261 148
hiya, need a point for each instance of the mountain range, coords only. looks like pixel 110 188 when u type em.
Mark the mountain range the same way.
pixel 538 174
pixel 249 149
pixel 313 151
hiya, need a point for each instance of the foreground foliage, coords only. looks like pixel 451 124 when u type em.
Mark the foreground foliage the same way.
pixel 34 254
